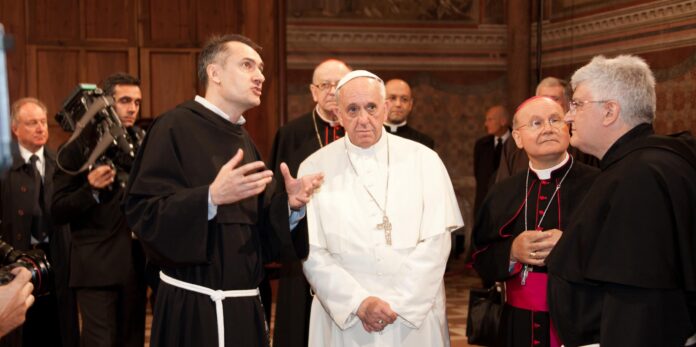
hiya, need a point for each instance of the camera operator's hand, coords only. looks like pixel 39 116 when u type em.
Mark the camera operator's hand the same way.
pixel 15 299
pixel 101 176
pixel 234 183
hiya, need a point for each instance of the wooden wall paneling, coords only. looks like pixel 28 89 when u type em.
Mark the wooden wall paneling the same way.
pixel 100 63
pixel 53 72
pixel 168 23
pixel 217 17
pixel 53 21
pixel 262 23
pixel 12 17
pixel 169 78
pixel 109 21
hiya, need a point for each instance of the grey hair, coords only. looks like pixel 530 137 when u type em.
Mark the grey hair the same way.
pixel 626 79
pixel 380 85
pixel 556 82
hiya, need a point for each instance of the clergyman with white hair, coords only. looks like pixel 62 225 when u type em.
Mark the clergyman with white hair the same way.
pixel 379 231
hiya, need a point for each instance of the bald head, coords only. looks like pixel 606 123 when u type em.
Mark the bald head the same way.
pixel 497 120
pixel 324 79
pixel 540 129
pixel 400 100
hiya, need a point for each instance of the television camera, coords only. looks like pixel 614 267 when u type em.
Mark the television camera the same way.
pixel 90 116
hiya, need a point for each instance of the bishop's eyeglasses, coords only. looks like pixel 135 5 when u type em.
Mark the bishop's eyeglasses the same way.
pixel 326 85
pixel 536 124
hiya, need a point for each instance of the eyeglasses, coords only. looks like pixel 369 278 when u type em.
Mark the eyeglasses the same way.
pixel 538 123
pixel 576 104
pixel 326 85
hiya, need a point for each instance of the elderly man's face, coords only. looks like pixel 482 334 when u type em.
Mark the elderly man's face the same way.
pixel 557 93
pixel 323 87
pixel 31 127
pixel 541 131
pixel 400 101
pixel 585 119
pixel 496 122
pixel 127 100
pixel 362 111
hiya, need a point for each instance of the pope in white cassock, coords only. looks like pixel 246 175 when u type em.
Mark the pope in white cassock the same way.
pixel 379 230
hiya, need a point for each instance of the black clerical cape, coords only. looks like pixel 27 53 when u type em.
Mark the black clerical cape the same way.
pixel 502 217
pixel 167 207
pixel 624 273
pixel 293 143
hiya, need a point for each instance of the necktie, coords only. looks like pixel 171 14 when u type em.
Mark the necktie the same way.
pixel 37 227
pixel 497 151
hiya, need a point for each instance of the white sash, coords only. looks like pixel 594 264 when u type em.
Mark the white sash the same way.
pixel 216 295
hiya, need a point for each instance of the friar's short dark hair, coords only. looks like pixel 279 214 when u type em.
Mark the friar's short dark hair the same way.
pixel 216 46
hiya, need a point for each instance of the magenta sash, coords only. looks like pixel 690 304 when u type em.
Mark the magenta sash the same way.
pixel 531 296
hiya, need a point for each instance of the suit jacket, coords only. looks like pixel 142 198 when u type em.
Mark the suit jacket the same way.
pixel 484 167
pixel 101 240
pixel 413 134
pixel 17 194
pixel 512 161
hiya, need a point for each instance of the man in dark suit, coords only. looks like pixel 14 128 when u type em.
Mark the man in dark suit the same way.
pixel 26 190
pixel 488 149
pixel 102 266
pixel 400 106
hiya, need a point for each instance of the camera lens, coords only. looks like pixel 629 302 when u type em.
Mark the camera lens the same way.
pixel 35 261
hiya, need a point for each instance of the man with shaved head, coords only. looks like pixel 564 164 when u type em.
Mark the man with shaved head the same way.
pixel 379 231
pixel 523 217
pixel 400 106
pixel 293 143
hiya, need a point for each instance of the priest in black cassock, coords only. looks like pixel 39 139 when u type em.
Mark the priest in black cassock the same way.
pixel 293 143
pixel 624 273
pixel 523 217
pixel 400 106
pixel 199 199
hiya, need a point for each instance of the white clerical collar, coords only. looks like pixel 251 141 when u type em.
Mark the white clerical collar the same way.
pixel 209 105
pixel 378 148
pixel 332 123
pixel 545 174
pixel 394 127
pixel 26 155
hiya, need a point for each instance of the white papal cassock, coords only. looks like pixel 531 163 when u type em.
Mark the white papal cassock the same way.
pixel 349 258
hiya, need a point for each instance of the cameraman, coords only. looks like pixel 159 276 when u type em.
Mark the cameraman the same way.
pixel 102 266
pixel 15 299
pixel 26 190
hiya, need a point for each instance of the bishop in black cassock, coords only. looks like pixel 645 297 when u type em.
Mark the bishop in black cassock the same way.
pixel 293 143
pixel 532 201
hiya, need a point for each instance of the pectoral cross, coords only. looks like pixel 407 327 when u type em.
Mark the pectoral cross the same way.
pixel 386 225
